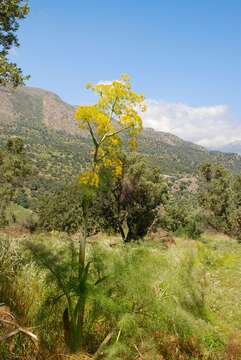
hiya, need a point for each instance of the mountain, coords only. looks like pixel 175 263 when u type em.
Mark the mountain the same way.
pixel 59 149
pixel 234 147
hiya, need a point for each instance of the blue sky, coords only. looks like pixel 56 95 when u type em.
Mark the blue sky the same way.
pixel 176 51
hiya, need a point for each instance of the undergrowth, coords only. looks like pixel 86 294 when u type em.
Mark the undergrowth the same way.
pixel 151 303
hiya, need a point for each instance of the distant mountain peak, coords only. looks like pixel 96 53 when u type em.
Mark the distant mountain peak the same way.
pixel 233 147
pixel 39 116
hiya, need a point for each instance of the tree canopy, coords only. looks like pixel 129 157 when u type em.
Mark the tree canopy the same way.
pixel 130 203
pixel 14 171
pixel 11 11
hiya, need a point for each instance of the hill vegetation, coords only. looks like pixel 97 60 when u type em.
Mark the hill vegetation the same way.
pixel 177 306
pixel 107 252
pixel 59 149
pixel 120 261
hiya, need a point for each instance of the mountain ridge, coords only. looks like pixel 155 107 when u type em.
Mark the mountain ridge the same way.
pixel 60 149
pixel 233 147
pixel 50 98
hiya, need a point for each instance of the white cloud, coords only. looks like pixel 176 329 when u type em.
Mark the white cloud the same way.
pixel 108 82
pixel 210 126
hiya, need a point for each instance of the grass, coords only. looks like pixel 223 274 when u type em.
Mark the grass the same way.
pixel 182 303
pixel 21 214
pixel 222 259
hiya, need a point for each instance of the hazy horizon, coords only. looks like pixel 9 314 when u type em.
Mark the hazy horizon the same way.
pixel 184 56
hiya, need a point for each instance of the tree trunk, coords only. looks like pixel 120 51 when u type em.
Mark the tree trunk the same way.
pixel 128 237
pixel 121 231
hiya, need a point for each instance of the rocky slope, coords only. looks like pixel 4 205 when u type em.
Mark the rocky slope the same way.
pixel 59 149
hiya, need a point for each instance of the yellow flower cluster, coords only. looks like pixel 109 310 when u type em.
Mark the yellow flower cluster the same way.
pixel 116 111
pixel 90 178
pixel 92 115
pixel 115 165
pixel 117 168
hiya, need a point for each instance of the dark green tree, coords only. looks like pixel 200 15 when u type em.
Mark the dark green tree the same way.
pixel 14 171
pixel 64 210
pixel 11 12
pixel 182 215
pixel 234 211
pixel 129 204
pixel 220 197
pixel 216 195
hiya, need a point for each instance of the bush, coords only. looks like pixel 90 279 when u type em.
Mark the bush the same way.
pixel 183 217
pixel 63 210
pixel 22 199
pixel 129 204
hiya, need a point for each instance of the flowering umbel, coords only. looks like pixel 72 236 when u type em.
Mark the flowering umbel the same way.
pixel 117 111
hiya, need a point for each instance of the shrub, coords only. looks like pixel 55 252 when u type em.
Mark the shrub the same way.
pixel 182 216
pixel 129 204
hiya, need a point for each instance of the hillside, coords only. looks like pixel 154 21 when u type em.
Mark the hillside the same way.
pixel 233 147
pixel 59 149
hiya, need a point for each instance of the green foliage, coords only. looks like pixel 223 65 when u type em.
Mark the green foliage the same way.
pixel 11 11
pixel 138 300
pixel 60 155
pixel 68 267
pixel 15 145
pixel 143 192
pixel 220 198
pixel 131 201
pixel 143 305
pixel 182 215
pixel 23 290
pixel 14 170
pixel 10 263
pixel 70 280
pixel 22 199
pixel 175 156
pixel 64 209
pixel 216 195
pixel 134 199
pixel 194 227
pixel 179 305
pixel 16 214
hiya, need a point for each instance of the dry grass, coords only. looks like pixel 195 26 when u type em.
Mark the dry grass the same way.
pixel 233 348
pixel 80 356
pixel 215 267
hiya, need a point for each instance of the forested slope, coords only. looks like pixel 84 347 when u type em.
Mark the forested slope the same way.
pixel 59 149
